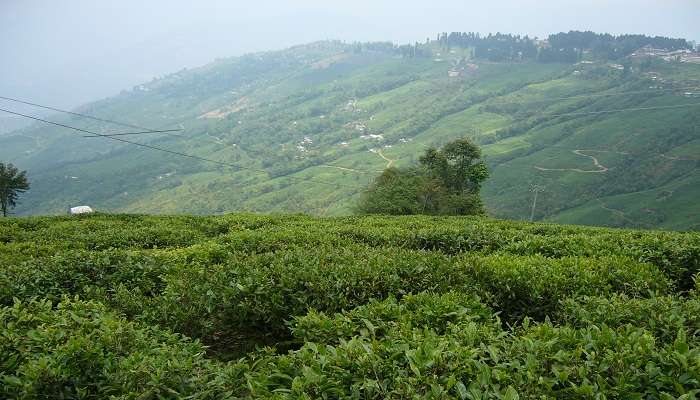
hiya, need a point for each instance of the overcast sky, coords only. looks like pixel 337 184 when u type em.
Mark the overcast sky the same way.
pixel 68 52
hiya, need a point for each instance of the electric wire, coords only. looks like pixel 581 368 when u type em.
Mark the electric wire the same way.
pixel 621 110
pixel 585 96
pixel 156 148
pixel 92 117
pixel 133 133
pixel 146 130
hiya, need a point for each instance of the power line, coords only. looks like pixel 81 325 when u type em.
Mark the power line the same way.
pixel 111 136
pixel 171 151
pixel 146 130
pixel 620 110
pixel 583 96
pixel 133 133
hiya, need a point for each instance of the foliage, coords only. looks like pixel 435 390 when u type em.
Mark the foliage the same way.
pixel 77 349
pixel 564 47
pixel 12 183
pixel 446 182
pixel 256 111
pixel 289 306
pixel 666 317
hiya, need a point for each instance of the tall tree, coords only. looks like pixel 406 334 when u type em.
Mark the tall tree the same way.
pixel 12 183
pixel 445 182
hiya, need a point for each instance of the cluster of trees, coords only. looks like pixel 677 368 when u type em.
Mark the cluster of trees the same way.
pixel 445 182
pixel 609 47
pixel 406 50
pixel 566 47
pixel 493 47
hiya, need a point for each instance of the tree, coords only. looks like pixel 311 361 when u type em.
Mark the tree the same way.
pixel 445 182
pixel 12 183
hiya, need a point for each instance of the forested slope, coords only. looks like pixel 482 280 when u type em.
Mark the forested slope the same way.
pixel 305 129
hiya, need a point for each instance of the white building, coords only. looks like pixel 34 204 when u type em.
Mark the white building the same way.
pixel 80 210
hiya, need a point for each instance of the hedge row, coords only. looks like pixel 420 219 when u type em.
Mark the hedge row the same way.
pixel 226 296
pixel 379 319
pixel 677 254
pixel 666 317
pixel 451 349
pixel 254 295
pixel 79 350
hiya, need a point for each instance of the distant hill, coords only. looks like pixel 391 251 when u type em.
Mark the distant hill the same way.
pixel 310 126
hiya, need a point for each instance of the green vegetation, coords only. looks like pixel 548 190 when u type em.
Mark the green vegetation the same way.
pixel 312 125
pixel 446 182
pixel 566 47
pixel 248 306
pixel 13 182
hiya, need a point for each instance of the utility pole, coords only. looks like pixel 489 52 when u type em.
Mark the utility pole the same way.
pixel 536 189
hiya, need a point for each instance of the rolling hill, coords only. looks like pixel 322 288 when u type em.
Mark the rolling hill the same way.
pixel 307 128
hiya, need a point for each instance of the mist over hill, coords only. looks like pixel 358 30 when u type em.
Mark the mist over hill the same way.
pixel 604 128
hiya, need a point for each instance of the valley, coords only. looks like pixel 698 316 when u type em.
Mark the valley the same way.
pixel 307 128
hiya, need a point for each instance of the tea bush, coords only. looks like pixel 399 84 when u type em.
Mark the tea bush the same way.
pixel 254 295
pixel 379 318
pixel 667 317
pixel 77 349
pixel 468 362
pixel 357 307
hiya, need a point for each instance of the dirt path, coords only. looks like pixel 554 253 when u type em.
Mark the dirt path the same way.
pixel 389 161
pixel 330 204
pixel 619 213
pixel 601 168
pixel 218 139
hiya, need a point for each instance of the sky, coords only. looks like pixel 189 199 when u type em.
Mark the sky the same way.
pixel 69 52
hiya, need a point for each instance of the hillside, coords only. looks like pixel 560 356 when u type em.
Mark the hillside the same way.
pixel 127 306
pixel 312 125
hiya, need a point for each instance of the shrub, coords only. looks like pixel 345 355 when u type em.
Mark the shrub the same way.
pixel 540 361
pixel 81 350
pixel 379 318
pixel 253 295
pixel 666 317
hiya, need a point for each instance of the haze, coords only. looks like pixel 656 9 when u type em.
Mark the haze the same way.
pixel 65 53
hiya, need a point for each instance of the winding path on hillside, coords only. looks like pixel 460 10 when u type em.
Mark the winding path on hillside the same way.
pixel 580 152
pixel 623 216
pixel 389 161
pixel 216 138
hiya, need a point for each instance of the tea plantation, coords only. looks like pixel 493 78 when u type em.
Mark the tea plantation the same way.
pixel 295 307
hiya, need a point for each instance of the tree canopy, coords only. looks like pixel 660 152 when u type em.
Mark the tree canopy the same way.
pixel 12 183
pixel 564 47
pixel 446 181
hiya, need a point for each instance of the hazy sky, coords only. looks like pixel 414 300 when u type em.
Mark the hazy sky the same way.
pixel 66 52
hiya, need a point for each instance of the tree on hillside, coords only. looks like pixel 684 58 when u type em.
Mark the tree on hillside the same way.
pixel 12 183
pixel 445 182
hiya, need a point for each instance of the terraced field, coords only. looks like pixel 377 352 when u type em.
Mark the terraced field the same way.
pixel 307 128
